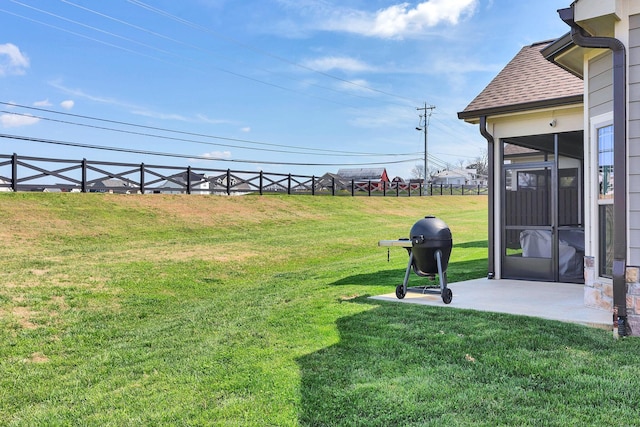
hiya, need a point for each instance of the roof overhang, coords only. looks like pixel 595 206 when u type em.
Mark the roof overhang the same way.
pixel 598 18
pixel 566 54
pixel 473 116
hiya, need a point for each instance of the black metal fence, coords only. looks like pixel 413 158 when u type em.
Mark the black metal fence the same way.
pixel 23 173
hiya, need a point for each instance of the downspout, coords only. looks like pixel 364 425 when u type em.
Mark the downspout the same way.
pixel 490 188
pixel 581 38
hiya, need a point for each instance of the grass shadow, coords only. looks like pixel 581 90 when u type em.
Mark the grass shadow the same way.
pixel 400 364
pixel 456 272
pixel 466 245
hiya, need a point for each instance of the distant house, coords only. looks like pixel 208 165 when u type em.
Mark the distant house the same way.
pixel 5 185
pixel 377 176
pixel 236 186
pixel 364 174
pixel 458 177
pixel 326 181
pixel 110 185
pixel 177 184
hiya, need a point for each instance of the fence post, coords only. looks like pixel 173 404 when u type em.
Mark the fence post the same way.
pixel 397 189
pixel 409 189
pixel 478 190
pixel 333 186
pixel 84 175
pixel 313 185
pixel 451 189
pixel 420 191
pixel 353 188
pixel 441 189
pixel 260 184
pixel 141 178
pixel 14 172
pixel 463 189
pixel 369 188
pixel 384 188
pixel 188 179
pixel 289 184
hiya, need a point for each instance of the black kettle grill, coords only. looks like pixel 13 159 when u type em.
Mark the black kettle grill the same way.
pixel 429 249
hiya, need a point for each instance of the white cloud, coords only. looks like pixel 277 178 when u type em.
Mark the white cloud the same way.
pixel 245 129
pixel 17 120
pixel 133 109
pixel 386 117
pixel 12 61
pixel 401 20
pixel 334 62
pixel 357 85
pixel 217 155
pixel 67 105
pixel 204 119
pixel 43 103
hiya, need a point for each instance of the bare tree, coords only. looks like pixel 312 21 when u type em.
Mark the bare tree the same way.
pixel 417 172
pixel 481 163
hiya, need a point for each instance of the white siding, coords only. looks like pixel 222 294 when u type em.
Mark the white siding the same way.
pixel 634 139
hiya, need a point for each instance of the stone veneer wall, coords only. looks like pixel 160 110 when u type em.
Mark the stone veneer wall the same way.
pixel 633 299
pixel 599 293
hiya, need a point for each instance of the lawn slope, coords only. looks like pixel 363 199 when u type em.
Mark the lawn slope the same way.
pixel 198 310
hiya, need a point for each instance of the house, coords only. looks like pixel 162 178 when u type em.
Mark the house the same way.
pixel 457 177
pixel 332 180
pixel 236 186
pixel 179 183
pixel 377 176
pixel 5 184
pixel 561 122
pixel 110 185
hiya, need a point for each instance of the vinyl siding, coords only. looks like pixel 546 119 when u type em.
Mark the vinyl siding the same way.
pixel 634 139
pixel 601 85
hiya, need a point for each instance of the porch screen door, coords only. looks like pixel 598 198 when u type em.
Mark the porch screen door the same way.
pixel 530 218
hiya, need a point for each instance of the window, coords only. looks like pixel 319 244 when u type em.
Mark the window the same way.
pixel 532 180
pixel 605 162
pixel 605 250
pixel 606 181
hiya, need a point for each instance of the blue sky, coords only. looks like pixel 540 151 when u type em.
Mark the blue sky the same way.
pixel 299 86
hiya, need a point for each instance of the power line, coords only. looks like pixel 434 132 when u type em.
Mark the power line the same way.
pixel 239 75
pixel 319 150
pixel 187 140
pixel 233 73
pixel 260 51
pixel 186 156
pixel 156 34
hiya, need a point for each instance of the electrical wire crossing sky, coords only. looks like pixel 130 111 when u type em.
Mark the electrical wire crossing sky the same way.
pixel 293 87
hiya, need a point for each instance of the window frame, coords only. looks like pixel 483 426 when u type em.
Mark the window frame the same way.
pixel 598 123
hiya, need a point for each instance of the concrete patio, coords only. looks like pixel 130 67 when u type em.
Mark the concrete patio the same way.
pixel 554 301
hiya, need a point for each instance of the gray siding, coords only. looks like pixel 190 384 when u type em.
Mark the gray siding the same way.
pixel 601 85
pixel 634 139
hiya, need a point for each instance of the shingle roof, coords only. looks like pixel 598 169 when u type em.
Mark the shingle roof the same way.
pixel 527 82
pixel 362 173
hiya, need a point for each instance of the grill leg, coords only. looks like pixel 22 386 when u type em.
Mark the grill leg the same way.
pixel 405 283
pixel 445 292
pixel 443 284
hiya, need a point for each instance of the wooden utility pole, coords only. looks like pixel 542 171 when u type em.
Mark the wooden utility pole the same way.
pixel 426 110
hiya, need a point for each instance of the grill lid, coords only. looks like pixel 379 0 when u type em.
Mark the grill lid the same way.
pixel 430 228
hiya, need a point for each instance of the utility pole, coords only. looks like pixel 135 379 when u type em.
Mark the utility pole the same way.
pixel 427 110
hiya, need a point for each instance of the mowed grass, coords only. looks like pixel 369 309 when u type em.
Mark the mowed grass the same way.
pixel 253 311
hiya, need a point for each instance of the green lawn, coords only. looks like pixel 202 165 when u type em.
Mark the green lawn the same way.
pixel 121 310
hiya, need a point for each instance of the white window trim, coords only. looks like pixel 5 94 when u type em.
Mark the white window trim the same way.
pixel 595 202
